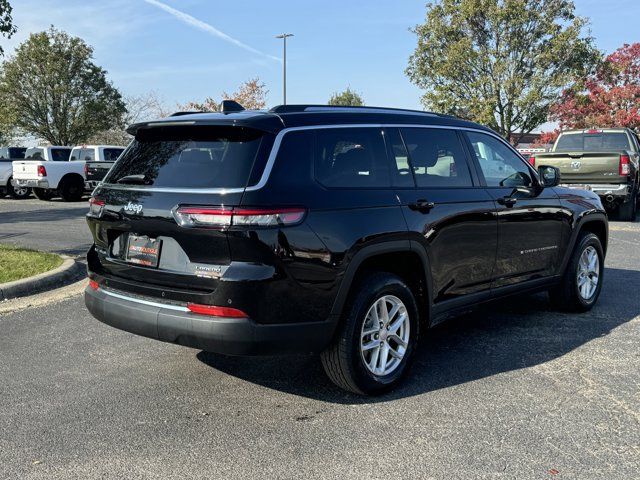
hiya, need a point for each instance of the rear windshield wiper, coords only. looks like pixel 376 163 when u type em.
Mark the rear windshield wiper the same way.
pixel 135 180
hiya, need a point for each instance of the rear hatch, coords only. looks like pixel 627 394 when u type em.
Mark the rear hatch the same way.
pixel 135 216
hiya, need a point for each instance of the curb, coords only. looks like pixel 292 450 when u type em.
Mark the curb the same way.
pixel 69 270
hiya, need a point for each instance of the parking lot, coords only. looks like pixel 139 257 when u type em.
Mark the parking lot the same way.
pixel 514 390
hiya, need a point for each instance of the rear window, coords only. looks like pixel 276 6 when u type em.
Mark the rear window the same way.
pixel 193 157
pixel 112 154
pixel 592 142
pixel 34 154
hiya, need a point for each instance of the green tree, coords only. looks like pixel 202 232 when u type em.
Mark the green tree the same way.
pixel 347 98
pixel 52 89
pixel 501 63
pixel 7 28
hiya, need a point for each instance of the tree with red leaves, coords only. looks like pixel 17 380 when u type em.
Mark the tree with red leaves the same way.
pixel 608 98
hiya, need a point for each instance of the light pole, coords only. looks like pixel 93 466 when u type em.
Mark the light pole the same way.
pixel 284 66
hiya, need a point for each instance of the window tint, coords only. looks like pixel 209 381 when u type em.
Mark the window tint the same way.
pixel 192 157
pixel 437 157
pixel 500 166
pixel 112 154
pixel 60 154
pixel 351 157
pixel 592 142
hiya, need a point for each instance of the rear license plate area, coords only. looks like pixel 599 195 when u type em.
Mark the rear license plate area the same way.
pixel 143 250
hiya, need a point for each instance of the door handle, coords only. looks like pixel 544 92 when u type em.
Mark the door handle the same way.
pixel 422 205
pixel 507 201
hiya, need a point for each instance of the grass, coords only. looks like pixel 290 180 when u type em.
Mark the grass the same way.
pixel 17 263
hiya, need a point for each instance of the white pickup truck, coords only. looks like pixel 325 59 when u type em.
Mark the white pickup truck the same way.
pixel 53 171
pixel 7 155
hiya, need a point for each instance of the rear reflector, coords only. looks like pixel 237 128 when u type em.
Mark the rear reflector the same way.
pixel 221 217
pixel 94 285
pixel 625 167
pixel 42 172
pixel 215 311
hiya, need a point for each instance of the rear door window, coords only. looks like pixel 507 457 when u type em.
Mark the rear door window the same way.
pixel 437 157
pixel 193 157
pixel 351 158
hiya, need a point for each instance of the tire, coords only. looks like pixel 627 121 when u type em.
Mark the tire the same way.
pixel 568 296
pixel 43 193
pixel 627 210
pixel 71 189
pixel 17 193
pixel 345 362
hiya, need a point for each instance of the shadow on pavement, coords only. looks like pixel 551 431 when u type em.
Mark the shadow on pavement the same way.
pixel 507 335
pixel 44 215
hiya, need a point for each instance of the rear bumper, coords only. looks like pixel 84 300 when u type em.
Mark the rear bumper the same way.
pixel 616 190
pixel 91 184
pixel 32 183
pixel 231 336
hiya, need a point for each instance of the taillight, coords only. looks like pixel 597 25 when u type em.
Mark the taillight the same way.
pixel 94 285
pixel 215 311
pixel 42 172
pixel 95 206
pixel 86 169
pixel 221 217
pixel 625 165
pixel 532 160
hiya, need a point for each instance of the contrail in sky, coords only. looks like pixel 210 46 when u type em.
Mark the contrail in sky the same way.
pixel 210 29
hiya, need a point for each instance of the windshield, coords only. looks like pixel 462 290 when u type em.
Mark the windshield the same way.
pixel 592 142
pixel 193 157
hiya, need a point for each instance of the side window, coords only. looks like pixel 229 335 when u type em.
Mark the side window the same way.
pixel 351 158
pixel 88 154
pixel 75 154
pixel 437 157
pixel 400 168
pixel 4 153
pixel 500 166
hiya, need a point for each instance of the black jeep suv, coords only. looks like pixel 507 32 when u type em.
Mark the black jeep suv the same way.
pixel 341 231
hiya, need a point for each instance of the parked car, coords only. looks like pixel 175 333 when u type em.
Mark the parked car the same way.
pixel 98 161
pixel 7 155
pixel 604 161
pixel 48 171
pixel 337 230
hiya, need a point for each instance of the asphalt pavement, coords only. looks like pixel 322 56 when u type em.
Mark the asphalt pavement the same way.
pixel 513 390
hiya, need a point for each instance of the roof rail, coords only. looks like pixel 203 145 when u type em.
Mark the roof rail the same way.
pixel 347 109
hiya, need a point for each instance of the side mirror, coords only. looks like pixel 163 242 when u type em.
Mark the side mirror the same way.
pixel 549 176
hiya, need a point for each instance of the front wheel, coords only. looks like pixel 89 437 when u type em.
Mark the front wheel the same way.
pixel 582 281
pixel 17 192
pixel 377 339
pixel 43 193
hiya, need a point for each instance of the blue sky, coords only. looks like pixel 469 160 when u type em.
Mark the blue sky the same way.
pixel 149 45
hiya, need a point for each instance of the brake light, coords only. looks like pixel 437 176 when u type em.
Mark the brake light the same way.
pixel 593 130
pixel 221 217
pixel 42 172
pixel 215 311
pixel 532 160
pixel 625 165
pixel 94 285
pixel 95 206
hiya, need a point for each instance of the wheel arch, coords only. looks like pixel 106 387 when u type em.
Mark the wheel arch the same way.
pixel 592 222
pixel 397 257
pixel 71 176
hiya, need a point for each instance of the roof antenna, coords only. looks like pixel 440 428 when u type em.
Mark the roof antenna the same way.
pixel 230 106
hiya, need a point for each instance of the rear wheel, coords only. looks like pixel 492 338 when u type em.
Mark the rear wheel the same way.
pixel 377 339
pixel 43 193
pixel 71 189
pixel 17 192
pixel 582 281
